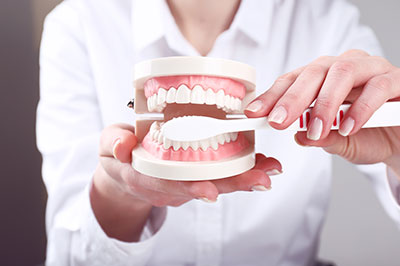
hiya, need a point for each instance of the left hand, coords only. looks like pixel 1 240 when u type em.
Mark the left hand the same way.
pixel 366 81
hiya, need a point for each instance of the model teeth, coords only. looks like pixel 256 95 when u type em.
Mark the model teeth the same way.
pixel 213 143
pixel 184 95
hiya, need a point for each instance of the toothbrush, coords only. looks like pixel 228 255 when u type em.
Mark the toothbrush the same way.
pixel 192 128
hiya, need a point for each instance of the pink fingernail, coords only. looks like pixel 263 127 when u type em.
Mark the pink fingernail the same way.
pixel 278 115
pixel 255 106
pixel 260 188
pixel 116 143
pixel 346 127
pixel 207 200
pixel 273 172
pixel 315 130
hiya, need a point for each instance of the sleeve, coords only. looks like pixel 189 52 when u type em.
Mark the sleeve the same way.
pixel 387 187
pixel 348 34
pixel 68 130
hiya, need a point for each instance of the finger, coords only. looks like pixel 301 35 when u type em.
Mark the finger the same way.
pixel 263 104
pixel 342 76
pixel 254 179
pixel 300 94
pixel 354 53
pixel 376 92
pixel 334 143
pixel 191 189
pixel 118 141
pixel 270 166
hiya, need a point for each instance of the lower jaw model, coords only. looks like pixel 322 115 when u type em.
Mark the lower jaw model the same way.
pixel 181 86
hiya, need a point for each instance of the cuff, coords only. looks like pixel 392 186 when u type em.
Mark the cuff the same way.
pixel 386 186
pixel 109 251
pixel 394 185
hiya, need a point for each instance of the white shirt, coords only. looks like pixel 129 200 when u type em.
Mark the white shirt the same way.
pixel 88 51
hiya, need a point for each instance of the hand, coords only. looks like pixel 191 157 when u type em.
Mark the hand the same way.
pixel 365 81
pixel 122 197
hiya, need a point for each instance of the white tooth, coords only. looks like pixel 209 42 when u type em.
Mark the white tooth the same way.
pixel 220 99
pixel 183 94
pixel 153 100
pixel 176 145
pixel 149 104
pixel 234 136
pixel 161 96
pixel 156 134
pixel 227 137
pixel 198 95
pixel 238 104
pixel 167 143
pixel 227 102
pixel 154 126
pixel 221 139
pixel 185 145
pixel 160 107
pixel 214 143
pixel 204 144
pixel 194 145
pixel 152 133
pixel 210 97
pixel 160 138
pixel 171 95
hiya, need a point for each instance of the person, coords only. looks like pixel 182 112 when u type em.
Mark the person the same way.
pixel 102 212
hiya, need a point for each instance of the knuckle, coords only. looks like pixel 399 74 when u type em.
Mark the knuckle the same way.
pixel 288 77
pixel 324 103
pixel 315 69
pixel 324 59
pixel 364 107
pixel 343 67
pixel 355 52
pixel 382 60
pixel 382 83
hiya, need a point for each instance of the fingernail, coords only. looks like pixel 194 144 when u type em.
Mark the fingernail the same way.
pixel 260 188
pixel 278 115
pixel 273 172
pixel 116 143
pixel 346 127
pixel 255 106
pixel 315 130
pixel 207 200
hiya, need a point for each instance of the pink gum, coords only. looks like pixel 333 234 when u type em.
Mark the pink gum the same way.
pixel 229 86
pixel 224 151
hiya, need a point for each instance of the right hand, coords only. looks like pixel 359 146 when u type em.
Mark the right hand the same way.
pixel 131 191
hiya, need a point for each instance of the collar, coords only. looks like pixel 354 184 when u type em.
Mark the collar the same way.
pixel 254 19
pixel 150 19
pixel 148 22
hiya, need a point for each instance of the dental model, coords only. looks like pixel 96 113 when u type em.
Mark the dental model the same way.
pixel 201 86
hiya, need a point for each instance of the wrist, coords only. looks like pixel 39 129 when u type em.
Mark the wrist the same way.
pixel 119 213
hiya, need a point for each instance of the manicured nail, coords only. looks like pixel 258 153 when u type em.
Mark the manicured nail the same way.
pixel 346 127
pixel 315 130
pixel 116 143
pixel 273 172
pixel 260 188
pixel 255 106
pixel 278 115
pixel 207 200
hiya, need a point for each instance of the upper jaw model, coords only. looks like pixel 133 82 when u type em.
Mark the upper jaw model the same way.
pixel 180 86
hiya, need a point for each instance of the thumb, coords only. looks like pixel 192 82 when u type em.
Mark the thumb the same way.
pixel 118 141
pixel 334 143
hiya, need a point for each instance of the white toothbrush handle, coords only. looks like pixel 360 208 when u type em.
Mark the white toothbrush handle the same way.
pixel 386 116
